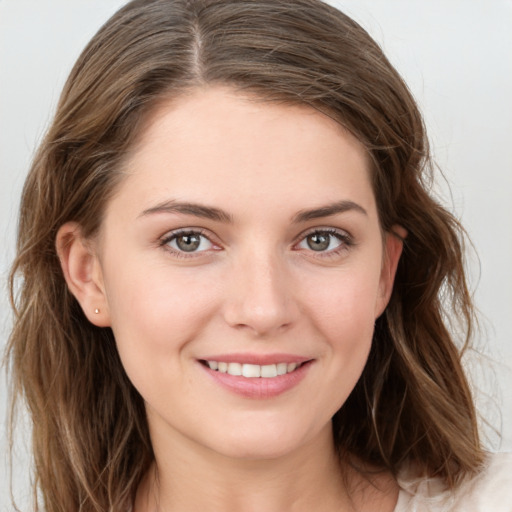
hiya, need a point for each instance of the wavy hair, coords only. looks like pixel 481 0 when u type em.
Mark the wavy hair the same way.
pixel 91 444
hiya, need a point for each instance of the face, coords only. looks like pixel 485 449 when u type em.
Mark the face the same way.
pixel 241 267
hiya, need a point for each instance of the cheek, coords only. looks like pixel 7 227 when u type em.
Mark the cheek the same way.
pixel 343 313
pixel 346 299
pixel 155 313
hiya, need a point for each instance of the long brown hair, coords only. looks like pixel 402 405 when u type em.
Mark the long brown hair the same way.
pixel 90 438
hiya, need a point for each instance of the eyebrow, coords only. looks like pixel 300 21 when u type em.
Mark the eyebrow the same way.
pixel 197 210
pixel 328 210
pixel 219 215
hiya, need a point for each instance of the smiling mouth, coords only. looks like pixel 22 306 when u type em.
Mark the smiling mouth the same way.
pixel 252 371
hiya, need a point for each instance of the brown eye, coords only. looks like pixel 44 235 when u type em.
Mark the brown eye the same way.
pixel 189 242
pixel 324 241
pixel 319 241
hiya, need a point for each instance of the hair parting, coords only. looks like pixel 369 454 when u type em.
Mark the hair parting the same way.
pixel 412 403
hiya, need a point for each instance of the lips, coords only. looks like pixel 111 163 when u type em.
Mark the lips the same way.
pixel 257 377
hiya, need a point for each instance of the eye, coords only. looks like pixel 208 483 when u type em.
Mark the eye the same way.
pixel 188 242
pixel 324 240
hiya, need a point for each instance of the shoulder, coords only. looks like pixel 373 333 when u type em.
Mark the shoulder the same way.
pixel 490 490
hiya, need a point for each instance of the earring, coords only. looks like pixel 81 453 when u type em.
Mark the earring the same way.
pixel 96 310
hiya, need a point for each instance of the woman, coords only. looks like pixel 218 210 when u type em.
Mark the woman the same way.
pixel 235 282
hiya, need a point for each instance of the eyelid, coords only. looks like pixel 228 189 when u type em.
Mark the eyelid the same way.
pixel 169 236
pixel 343 233
pixel 344 236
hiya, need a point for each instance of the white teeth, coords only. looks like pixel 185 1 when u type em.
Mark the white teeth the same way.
pixel 269 370
pixel 235 369
pixel 282 368
pixel 252 371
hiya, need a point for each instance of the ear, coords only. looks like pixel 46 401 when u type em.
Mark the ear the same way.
pixel 393 245
pixel 82 272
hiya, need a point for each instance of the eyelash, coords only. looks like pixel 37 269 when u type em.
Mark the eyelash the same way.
pixel 345 238
pixel 169 237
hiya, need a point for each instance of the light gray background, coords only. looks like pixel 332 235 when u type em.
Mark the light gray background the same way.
pixel 456 56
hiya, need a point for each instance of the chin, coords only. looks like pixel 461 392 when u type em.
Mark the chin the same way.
pixel 270 442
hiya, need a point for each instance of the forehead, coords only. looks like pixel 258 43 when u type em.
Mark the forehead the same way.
pixel 216 143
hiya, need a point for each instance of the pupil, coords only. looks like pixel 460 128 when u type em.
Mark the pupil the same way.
pixel 188 243
pixel 318 241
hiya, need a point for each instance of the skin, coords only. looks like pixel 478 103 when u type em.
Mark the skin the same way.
pixel 254 286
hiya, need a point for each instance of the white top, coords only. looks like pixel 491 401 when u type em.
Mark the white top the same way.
pixel 489 491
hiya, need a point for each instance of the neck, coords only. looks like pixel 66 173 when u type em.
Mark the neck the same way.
pixel 312 478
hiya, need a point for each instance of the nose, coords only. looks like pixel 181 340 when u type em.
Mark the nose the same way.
pixel 259 297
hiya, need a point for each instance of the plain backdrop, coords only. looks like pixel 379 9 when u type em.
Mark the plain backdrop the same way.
pixel 456 56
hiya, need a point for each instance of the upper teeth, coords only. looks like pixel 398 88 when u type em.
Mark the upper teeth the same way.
pixel 253 370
